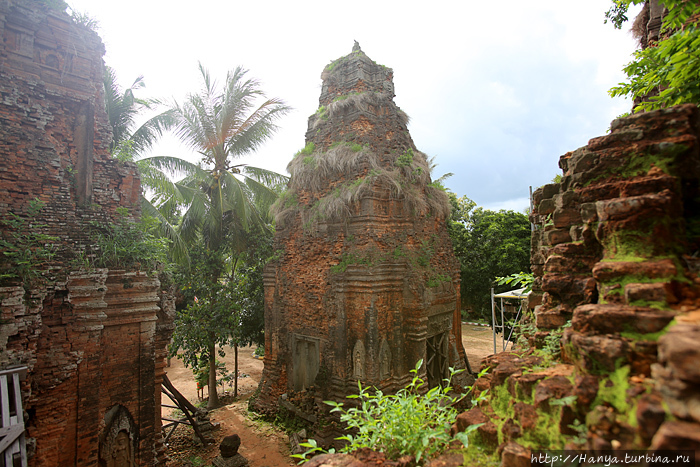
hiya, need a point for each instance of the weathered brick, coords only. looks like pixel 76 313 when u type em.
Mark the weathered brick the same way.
pixel 89 344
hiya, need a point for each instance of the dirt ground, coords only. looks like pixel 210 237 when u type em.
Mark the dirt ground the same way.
pixel 262 444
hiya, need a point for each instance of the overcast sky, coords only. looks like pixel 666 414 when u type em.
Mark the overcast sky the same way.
pixel 497 91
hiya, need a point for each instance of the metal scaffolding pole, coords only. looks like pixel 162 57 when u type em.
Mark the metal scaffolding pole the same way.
pixel 493 320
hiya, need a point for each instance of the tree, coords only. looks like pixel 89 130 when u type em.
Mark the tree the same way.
pixel 221 202
pixel 124 109
pixel 211 313
pixel 668 73
pixel 488 244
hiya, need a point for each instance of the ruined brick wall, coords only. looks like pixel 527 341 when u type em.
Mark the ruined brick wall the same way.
pixel 616 254
pixel 93 340
pixel 367 283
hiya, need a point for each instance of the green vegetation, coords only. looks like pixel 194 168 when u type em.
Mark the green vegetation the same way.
pixel 224 312
pixel 666 74
pixel 525 279
pixel 651 336
pixel 402 424
pixel 24 248
pixel 124 109
pixel 613 390
pixel 322 112
pixel 354 147
pixel 488 244
pixel 437 280
pixel 349 259
pixel 405 159
pixel 217 212
pixel 127 244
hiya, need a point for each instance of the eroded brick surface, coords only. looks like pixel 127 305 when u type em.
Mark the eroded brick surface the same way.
pixel 94 342
pixel 367 280
pixel 633 245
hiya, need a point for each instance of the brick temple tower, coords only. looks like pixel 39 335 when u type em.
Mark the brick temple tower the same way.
pixel 367 282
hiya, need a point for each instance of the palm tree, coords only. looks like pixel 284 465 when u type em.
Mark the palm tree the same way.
pixel 123 109
pixel 220 199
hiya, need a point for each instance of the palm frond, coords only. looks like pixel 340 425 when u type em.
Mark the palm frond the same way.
pixel 267 177
pixel 148 133
pixel 175 166
pixel 178 248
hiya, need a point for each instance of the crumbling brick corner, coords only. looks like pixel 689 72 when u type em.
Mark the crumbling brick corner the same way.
pixel 615 253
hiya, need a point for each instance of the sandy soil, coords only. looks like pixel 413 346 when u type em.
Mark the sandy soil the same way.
pixel 262 444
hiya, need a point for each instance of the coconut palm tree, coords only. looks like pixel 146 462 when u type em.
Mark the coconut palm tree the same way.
pixel 124 108
pixel 219 199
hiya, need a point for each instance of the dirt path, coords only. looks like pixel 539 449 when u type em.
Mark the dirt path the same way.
pixel 262 444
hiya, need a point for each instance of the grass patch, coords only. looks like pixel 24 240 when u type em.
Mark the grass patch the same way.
pixel 306 151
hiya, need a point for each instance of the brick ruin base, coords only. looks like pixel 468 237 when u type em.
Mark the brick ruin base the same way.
pixel 94 341
pixel 614 254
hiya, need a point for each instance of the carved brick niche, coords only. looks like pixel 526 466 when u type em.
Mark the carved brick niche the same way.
pixel 367 283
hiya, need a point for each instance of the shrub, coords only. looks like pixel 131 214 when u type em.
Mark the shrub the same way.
pixel 406 423
pixel 24 248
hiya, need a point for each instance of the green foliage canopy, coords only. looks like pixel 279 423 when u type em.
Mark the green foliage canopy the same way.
pixel 668 73
pixel 488 244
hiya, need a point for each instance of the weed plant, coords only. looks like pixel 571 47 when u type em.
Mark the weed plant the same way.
pixel 405 423
pixel 130 245
pixel 24 248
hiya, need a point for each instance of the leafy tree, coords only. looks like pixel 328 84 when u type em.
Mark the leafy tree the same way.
pixel 667 73
pixel 488 244
pixel 221 202
pixel 227 312
pixel 210 316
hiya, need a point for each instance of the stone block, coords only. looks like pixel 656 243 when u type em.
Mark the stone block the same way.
pixel 556 236
pixel 648 292
pixel 550 190
pixel 596 192
pixel 525 415
pixel 545 207
pixel 679 349
pixel 449 459
pixel 566 200
pixel 650 415
pixel 229 445
pixel 585 390
pixel 650 205
pixel 589 213
pixel 571 290
pixel 515 455
pixel 511 430
pixel 473 416
pixel 596 354
pixel 554 387
pixel 564 218
pixel 677 435
pixel 609 319
pixel 612 270
pixel 549 319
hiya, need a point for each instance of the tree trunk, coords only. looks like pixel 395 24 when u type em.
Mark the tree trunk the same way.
pixel 235 371
pixel 213 394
